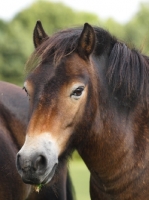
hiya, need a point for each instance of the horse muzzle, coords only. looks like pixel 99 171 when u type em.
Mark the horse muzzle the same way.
pixel 37 160
pixel 35 169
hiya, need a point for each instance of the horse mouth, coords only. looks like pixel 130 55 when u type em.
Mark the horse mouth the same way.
pixel 33 180
pixel 50 175
pixel 28 181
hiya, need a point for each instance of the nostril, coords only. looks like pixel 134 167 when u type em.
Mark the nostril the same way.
pixel 40 163
pixel 18 162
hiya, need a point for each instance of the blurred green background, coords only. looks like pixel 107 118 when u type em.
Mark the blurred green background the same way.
pixel 16 46
pixel 80 177
pixel 16 35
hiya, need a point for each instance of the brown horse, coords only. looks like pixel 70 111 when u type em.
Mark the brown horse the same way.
pixel 13 123
pixel 89 92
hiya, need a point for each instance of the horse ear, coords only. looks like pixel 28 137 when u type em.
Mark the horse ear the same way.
pixel 39 34
pixel 86 41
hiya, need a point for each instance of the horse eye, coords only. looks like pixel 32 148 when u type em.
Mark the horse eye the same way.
pixel 77 92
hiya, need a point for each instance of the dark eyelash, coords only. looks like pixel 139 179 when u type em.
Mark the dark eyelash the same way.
pixel 25 91
pixel 78 91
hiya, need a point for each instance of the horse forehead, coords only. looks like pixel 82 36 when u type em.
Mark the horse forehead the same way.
pixel 74 59
pixel 75 65
pixel 38 78
pixel 72 66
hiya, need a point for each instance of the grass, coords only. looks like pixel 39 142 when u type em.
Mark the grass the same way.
pixel 80 178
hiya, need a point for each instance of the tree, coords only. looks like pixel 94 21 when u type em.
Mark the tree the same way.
pixel 16 41
pixel 138 29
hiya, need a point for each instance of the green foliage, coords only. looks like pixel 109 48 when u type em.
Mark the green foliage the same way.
pixel 16 36
pixel 138 29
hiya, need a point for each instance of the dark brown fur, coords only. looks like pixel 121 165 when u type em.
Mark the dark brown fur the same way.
pixel 112 132
pixel 13 122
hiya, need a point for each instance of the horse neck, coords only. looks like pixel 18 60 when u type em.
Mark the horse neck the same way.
pixel 107 133
pixel 108 139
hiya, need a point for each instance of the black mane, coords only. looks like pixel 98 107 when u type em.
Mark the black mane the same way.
pixel 128 74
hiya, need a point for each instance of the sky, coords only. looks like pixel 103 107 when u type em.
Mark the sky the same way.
pixel 120 10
